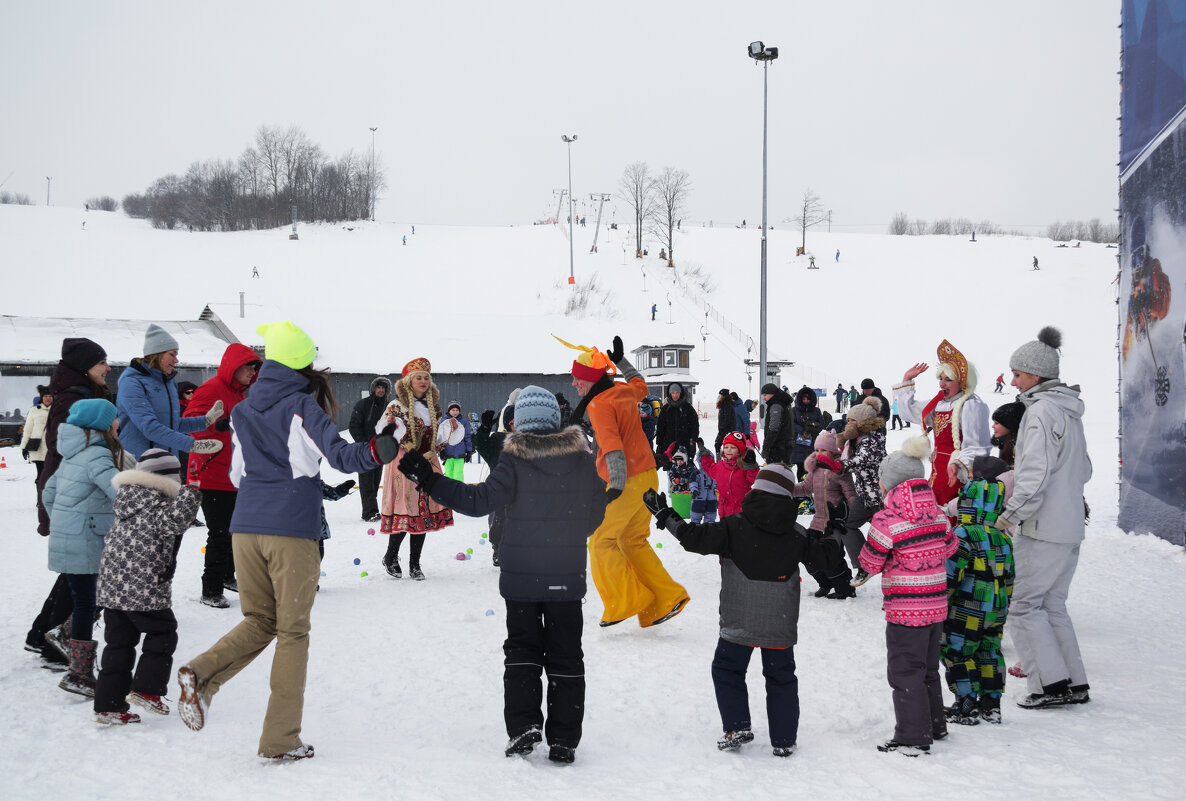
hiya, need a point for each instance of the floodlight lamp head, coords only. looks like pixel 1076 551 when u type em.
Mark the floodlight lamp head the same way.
pixel 760 52
pixel 756 49
pixel 569 139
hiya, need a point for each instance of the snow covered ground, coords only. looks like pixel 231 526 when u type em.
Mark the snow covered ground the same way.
pixel 404 695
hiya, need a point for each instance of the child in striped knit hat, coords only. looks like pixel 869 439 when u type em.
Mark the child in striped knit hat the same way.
pixel 909 543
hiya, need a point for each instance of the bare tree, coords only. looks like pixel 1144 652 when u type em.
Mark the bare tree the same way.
pixel 900 224
pixel 108 203
pixel 811 212
pixel 637 187
pixel 672 188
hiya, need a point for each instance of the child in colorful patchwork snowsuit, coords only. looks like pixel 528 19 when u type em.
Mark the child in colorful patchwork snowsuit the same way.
pixel 734 472
pixel 979 583
pixel 909 543
pixel 834 494
pixel 761 548
pixel 152 508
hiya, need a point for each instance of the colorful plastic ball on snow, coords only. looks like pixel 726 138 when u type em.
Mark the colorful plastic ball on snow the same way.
pixel 489 612
pixel 460 557
pixel 358 561
pixel 484 535
pixel 469 550
pixel 203 549
pixel 481 542
pixel 363 574
pixel 658 545
pixel 322 572
pixel 370 532
pixel 469 556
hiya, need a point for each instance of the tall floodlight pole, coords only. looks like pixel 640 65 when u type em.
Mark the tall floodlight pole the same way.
pixel 373 173
pixel 764 54
pixel 569 140
pixel 47 180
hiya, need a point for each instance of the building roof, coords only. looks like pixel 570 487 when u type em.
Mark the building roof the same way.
pixel 38 340
pixel 641 348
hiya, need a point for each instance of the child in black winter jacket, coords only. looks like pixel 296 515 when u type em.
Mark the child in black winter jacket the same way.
pixel 135 588
pixel 761 549
pixel 551 500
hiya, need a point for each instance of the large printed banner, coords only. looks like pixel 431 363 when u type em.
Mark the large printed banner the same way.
pixel 1153 269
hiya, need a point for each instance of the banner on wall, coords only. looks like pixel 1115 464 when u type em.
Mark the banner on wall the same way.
pixel 1152 280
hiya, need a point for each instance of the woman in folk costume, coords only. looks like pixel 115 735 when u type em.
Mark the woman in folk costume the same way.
pixel 958 417
pixel 415 412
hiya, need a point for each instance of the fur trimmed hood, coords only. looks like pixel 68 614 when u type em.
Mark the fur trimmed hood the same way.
pixel 531 447
pixel 143 478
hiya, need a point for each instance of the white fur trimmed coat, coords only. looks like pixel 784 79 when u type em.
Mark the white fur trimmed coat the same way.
pixel 151 511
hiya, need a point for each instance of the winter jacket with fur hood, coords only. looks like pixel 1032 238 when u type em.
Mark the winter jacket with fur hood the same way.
pixel 280 435
pixel 761 549
pixel 909 543
pixel 778 433
pixel 212 471
pixel 150 412
pixel 678 422
pixel 1050 467
pixel 368 410
pixel 825 483
pixel 551 499
pixel 809 421
pixel 79 499
pixel 151 511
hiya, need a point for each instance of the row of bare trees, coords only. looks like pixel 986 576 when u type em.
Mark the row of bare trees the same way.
pixel 658 202
pixel 15 199
pixel 282 169
pixel 1091 231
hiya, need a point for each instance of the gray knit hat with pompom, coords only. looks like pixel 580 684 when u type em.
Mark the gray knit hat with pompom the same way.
pixel 1039 357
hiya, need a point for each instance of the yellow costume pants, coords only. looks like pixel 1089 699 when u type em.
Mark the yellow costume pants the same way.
pixel 626 570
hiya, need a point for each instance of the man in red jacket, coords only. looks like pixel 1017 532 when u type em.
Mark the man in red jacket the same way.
pixel 236 373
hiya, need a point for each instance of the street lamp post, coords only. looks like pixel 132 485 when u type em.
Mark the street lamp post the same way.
pixel 373 173
pixel 571 233
pixel 760 52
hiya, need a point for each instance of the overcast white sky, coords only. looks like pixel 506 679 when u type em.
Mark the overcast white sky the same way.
pixel 1003 111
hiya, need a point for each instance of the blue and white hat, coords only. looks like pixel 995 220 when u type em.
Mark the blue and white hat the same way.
pixel 536 411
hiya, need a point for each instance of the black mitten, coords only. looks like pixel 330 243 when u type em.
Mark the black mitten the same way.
pixel 488 418
pixel 656 502
pixel 617 351
pixel 222 424
pixel 345 487
pixel 386 445
pixel 418 470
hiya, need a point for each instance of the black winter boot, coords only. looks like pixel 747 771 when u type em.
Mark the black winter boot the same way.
pixel 990 709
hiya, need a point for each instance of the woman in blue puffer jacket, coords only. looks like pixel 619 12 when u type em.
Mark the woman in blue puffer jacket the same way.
pixel 79 498
pixel 149 409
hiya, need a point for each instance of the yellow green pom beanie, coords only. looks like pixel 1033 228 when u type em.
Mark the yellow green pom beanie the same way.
pixel 284 342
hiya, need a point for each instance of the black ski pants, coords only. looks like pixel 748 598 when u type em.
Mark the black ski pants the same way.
pixel 218 506
pixel 544 637
pixel 122 632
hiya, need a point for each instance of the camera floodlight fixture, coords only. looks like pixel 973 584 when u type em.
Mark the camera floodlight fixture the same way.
pixel 565 138
pixel 760 52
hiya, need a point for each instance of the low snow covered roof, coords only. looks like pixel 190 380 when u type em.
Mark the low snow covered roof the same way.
pixel 38 340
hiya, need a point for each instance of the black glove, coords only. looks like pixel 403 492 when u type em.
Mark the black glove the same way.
pixel 662 461
pixel 25 455
pixel 612 494
pixel 468 455
pixel 749 461
pixel 345 487
pixel 223 424
pixel 700 444
pixel 656 502
pixel 417 469
pixel 488 418
pixel 386 445
pixel 838 510
pixel 616 351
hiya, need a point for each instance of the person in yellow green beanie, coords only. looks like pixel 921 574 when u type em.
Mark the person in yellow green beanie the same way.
pixel 280 433
pixel 626 570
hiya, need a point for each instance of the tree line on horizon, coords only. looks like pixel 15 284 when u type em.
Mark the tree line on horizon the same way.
pixel 1093 230
pixel 283 168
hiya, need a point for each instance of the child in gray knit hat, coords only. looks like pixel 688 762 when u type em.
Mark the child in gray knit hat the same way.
pixel 761 549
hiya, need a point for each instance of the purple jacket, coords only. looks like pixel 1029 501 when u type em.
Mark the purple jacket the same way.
pixel 280 436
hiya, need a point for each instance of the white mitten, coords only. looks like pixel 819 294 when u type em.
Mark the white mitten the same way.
pixel 204 447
